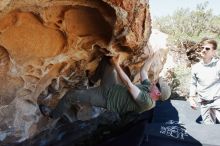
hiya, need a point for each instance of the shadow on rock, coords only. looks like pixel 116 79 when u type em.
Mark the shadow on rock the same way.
pixel 83 133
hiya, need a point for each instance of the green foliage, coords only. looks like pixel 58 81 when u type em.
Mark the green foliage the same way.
pixel 214 26
pixel 180 82
pixel 186 24
pixel 181 78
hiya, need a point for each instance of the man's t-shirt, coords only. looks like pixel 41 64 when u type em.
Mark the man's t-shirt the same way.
pixel 120 100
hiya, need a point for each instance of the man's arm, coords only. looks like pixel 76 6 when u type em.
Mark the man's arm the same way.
pixel 134 90
pixel 145 68
pixel 192 94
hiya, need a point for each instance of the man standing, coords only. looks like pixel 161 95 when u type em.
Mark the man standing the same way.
pixel 205 83
pixel 117 94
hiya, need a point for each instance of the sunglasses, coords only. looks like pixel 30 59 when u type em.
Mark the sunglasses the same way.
pixel 206 48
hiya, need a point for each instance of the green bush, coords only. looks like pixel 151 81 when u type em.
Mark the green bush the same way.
pixel 193 25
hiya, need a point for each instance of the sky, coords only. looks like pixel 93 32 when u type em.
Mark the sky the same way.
pixel 167 7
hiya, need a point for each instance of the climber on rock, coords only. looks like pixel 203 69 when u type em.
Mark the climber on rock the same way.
pixel 115 94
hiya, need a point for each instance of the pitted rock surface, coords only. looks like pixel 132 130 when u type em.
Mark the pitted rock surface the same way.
pixel 49 46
